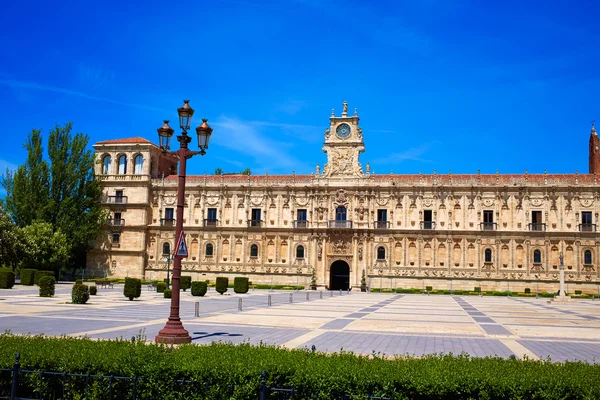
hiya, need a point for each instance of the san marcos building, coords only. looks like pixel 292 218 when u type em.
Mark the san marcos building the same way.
pixel 496 231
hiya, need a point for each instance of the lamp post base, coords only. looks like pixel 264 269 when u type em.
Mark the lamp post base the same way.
pixel 173 333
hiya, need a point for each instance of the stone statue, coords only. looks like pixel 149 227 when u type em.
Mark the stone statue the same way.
pixel 319 250
pixel 360 134
pixel 327 132
pixel 368 168
pixel 356 112
pixel 360 251
pixel 345 110
pixel 318 169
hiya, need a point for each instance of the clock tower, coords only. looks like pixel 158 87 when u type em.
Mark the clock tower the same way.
pixel 343 145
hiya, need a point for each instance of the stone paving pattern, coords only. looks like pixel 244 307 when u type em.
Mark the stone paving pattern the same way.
pixel 387 324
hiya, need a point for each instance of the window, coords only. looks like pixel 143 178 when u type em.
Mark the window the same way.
pixel 587 257
pixel 300 252
pixel 488 256
pixel 255 217
pixel 340 213
pixel 122 165
pixel 586 222
pixel 382 215
pixel 488 220
pixel 209 250
pixel 117 218
pixel 116 238
pixel 211 214
pixel 169 214
pixel 301 214
pixel 118 196
pixel 381 253
pixel 166 250
pixel 254 251
pixel 427 219
pixel 537 257
pixel 139 164
pixel 536 221
pixel 106 165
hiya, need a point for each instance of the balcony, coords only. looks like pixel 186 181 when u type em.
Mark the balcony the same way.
pixel 208 222
pixel 301 224
pixel 167 222
pixel 427 225
pixel 116 199
pixel 587 227
pixel 340 224
pixel 488 226
pixel 255 223
pixel 537 227
pixel 382 224
pixel 115 221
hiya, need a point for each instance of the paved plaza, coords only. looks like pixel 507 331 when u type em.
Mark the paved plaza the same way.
pixel 389 324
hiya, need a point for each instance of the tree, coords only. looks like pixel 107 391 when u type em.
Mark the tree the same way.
pixel 43 248
pixel 218 171
pixel 9 242
pixel 62 192
pixel 246 172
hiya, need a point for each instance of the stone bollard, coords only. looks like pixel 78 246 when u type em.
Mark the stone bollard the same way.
pixel 239 304
pixel 320 294
pixel 307 296
pixel 269 301
pixel 291 299
pixel 197 310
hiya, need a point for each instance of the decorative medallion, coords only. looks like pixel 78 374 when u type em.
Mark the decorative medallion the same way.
pixel 343 131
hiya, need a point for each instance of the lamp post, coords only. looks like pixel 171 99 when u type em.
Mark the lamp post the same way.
pixel 167 258
pixel 174 332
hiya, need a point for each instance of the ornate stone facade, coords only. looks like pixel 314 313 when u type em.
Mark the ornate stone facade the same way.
pixel 495 231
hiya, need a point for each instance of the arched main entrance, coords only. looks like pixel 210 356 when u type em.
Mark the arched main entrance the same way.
pixel 339 276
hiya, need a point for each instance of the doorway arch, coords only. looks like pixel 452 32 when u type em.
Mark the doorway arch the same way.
pixel 339 276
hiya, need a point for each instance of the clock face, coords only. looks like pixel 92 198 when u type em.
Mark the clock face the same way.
pixel 343 131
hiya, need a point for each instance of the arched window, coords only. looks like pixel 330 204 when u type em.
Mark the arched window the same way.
pixel 488 255
pixel 139 163
pixel 106 165
pixel 340 213
pixel 209 250
pixel 300 252
pixel 122 165
pixel 381 253
pixel 587 257
pixel 166 249
pixel 254 250
pixel 537 257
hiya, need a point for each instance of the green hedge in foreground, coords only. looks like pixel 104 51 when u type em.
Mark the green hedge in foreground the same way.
pixel 430 377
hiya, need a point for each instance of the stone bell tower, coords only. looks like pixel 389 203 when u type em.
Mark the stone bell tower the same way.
pixel 594 155
pixel 343 145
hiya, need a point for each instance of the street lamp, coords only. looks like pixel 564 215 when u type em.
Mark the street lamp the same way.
pixel 174 332
pixel 167 258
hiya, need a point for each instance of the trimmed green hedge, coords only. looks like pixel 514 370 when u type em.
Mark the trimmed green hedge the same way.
pixel 133 288
pixel 80 294
pixel 276 287
pixel 222 283
pixel 160 287
pixel 7 278
pixel 46 284
pixel 93 290
pixel 240 284
pixel 39 274
pixel 185 283
pixel 199 288
pixel 28 276
pixel 167 293
pixel 234 372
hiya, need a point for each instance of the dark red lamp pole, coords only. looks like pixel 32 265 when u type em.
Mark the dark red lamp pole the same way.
pixel 174 332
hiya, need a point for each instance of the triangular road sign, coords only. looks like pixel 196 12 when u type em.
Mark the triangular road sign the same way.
pixel 181 249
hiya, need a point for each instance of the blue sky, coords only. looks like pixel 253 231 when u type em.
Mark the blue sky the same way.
pixel 439 85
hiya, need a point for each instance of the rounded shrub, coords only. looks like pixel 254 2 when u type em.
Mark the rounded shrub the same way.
pixel 429 288
pixel 46 284
pixel 93 290
pixel 80 294
pixel 477 289
pixel 222 283
pixel 240 284
pixel 185 283
pixel 39 274
pixel 7 278
pixel 78 282
pixel 160 287
pixel 527 290
pixel 133 288
pixel 28 277
pixel 167 293
pixel 199 288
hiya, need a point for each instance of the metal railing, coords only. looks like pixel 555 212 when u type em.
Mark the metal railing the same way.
pixel 382 224
pixel 427 225
pixel 210 222
pixel 537 227
pixel 254 223
pixel 116 199
pixel 345 224
pixel 587 227
pixel 301 224
pixel 167 222
pixel 488 226
pixel 115 221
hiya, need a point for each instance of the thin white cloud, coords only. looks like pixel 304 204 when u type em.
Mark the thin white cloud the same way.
pixel 292 106
pixel 4 165
pixel 412 154
pixel 49 88
pixel 94 77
